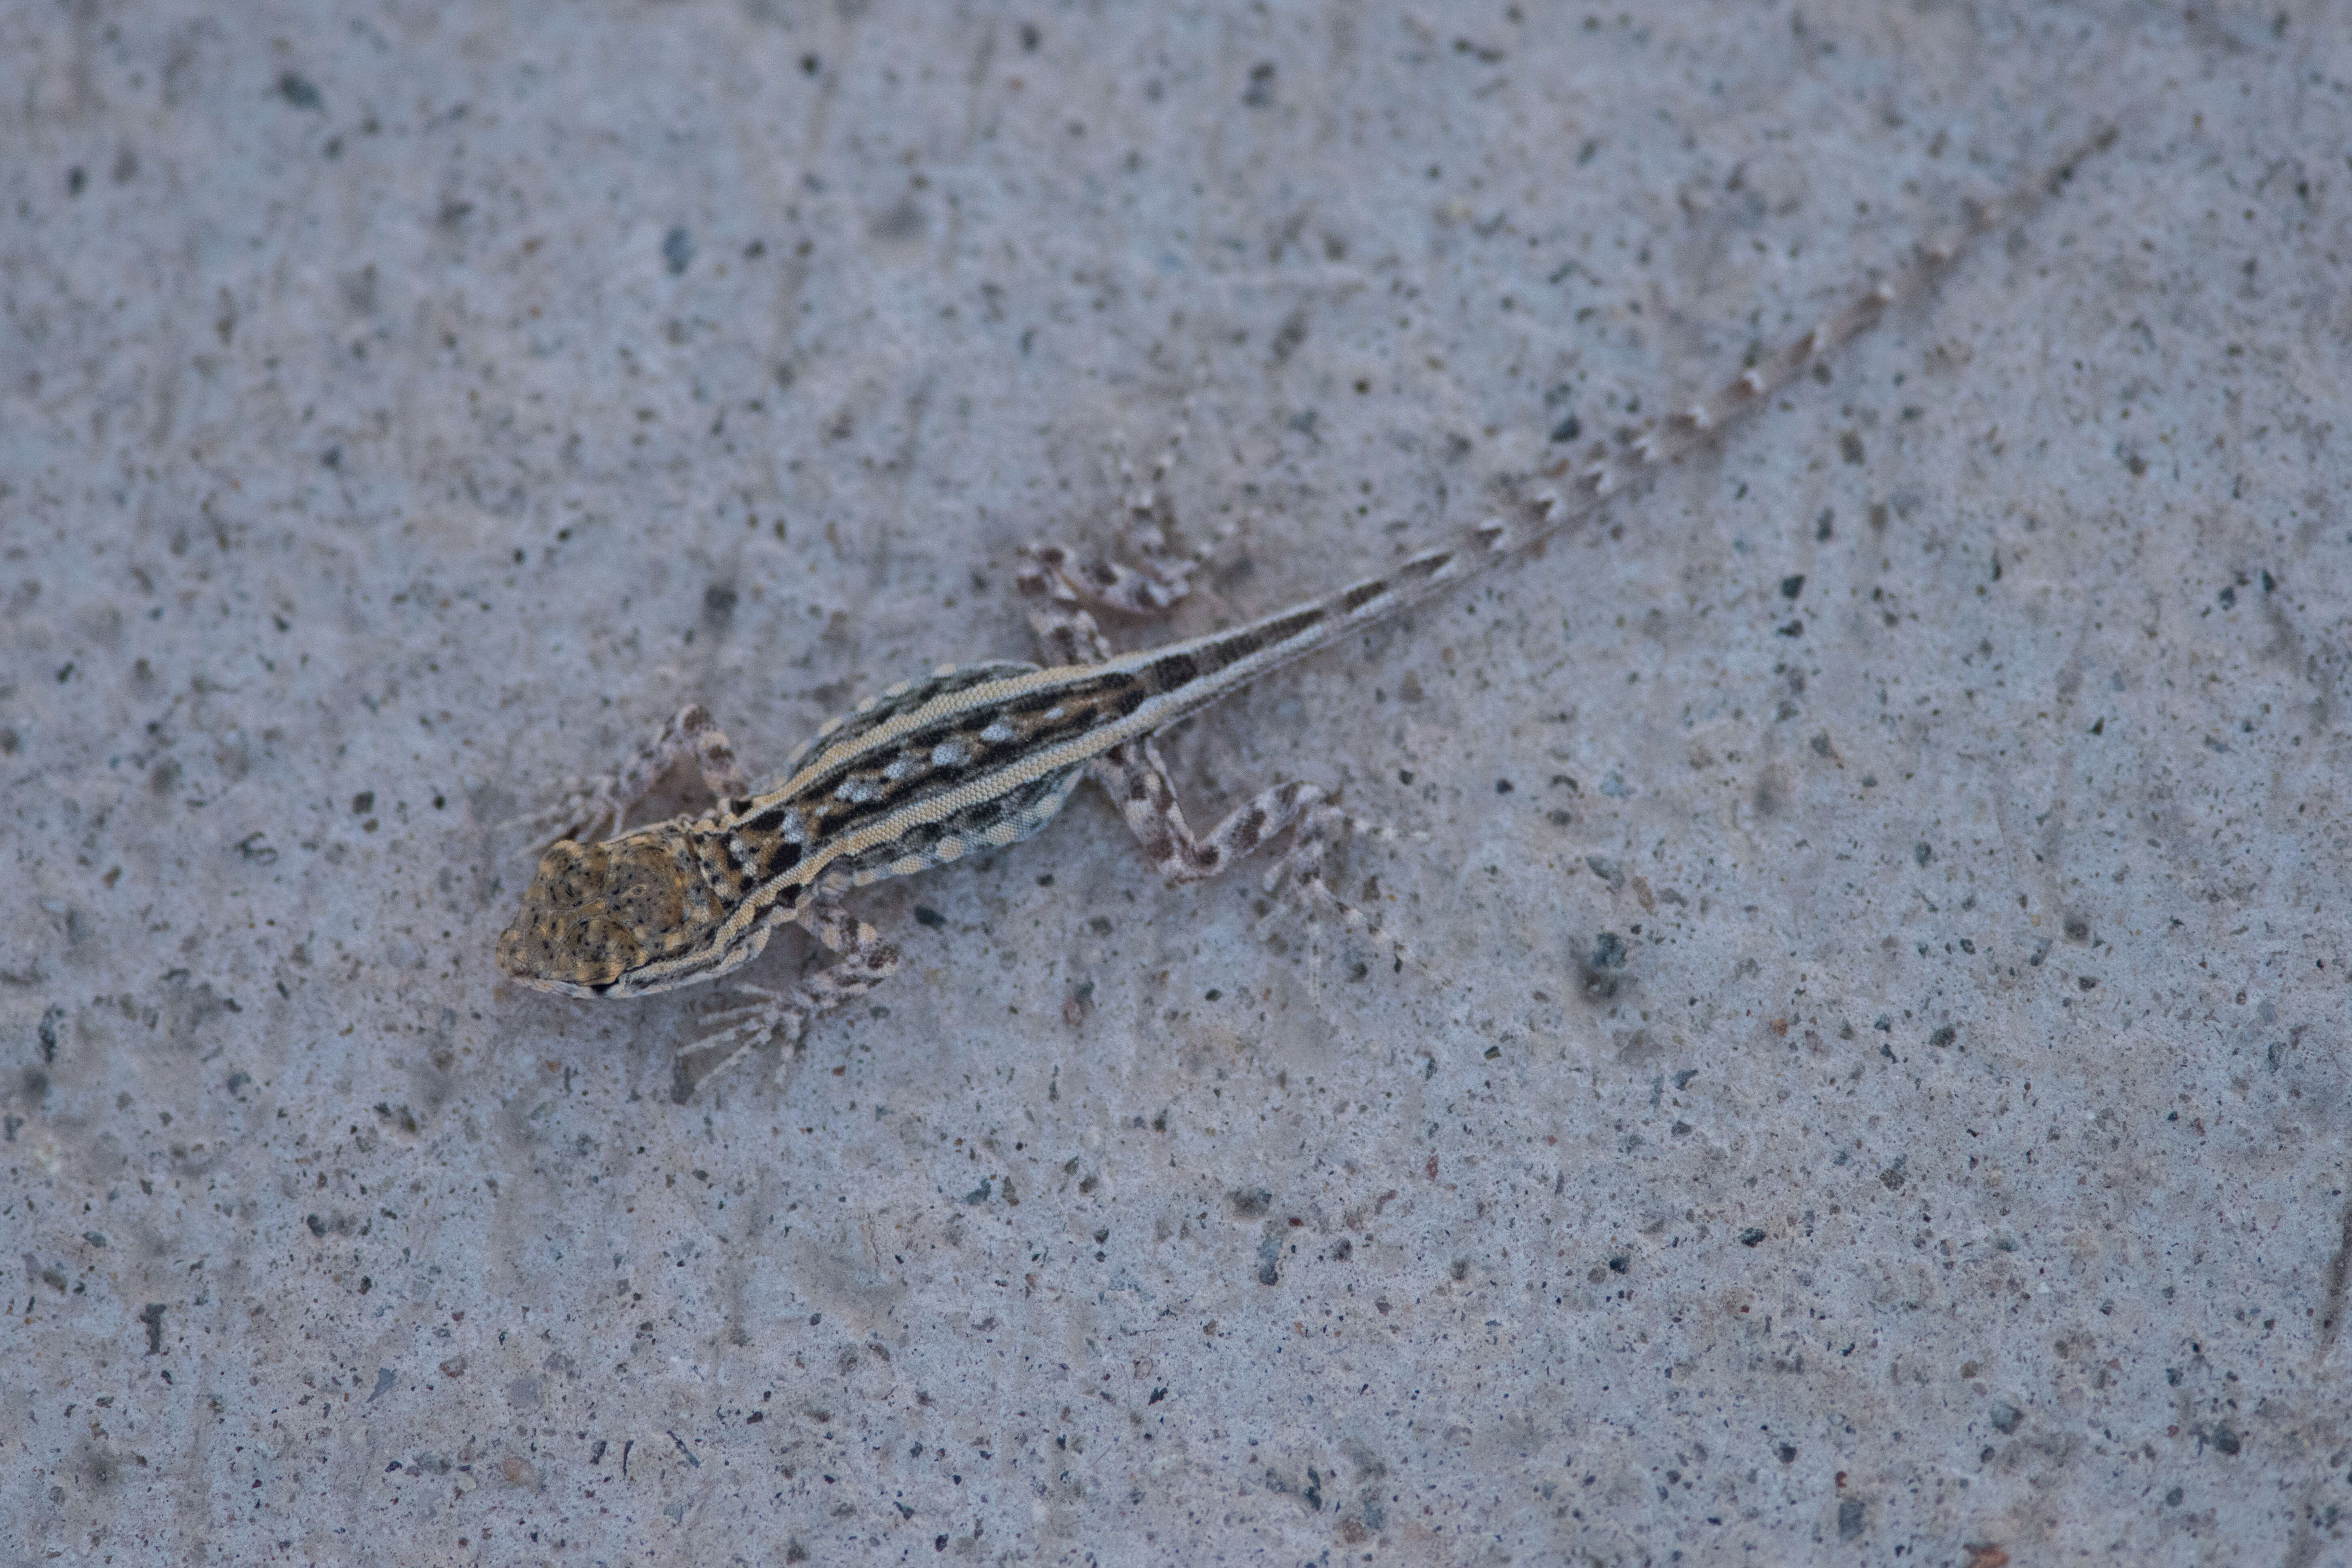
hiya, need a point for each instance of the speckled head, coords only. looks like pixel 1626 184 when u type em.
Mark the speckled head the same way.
pixel 633 915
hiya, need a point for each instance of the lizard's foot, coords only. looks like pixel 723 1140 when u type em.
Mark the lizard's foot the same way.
pixel 778 1015
pixel 595 809
pixel 589 811
pixel 1297 877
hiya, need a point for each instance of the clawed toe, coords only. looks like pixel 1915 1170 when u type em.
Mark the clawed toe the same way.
pixel 1296 881
pixel 775 1015
pixel 585 814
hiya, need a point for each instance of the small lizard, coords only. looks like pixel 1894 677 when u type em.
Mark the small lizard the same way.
pixel 976 757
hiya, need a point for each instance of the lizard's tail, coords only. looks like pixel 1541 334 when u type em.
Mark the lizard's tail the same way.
pixel 1607 472
pixel 1182 678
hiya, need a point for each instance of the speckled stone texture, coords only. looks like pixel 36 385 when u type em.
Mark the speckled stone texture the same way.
pixel 1873 1086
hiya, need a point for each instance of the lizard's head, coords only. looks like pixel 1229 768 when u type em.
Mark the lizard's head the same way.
pixel 629 916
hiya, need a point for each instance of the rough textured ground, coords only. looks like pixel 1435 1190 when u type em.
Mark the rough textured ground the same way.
pixel 1874 1087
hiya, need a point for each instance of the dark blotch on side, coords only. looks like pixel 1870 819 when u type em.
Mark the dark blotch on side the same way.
pixel 1291 625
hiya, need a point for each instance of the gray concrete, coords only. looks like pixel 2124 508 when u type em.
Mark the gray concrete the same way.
pixel 1873 1085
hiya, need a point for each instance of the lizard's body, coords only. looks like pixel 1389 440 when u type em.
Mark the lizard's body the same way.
pixel 981 756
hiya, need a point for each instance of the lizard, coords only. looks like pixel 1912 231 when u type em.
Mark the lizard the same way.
pixel 975 757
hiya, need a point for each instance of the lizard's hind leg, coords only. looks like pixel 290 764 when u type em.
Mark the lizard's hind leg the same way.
pixel 1138 780
pixel 1061 586
pixel 1062 590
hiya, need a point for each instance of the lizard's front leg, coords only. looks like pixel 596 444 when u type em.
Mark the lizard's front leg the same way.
pixel 863 961
pixel 593 809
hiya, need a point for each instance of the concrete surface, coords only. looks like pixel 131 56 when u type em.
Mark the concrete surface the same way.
pixel 1875 1086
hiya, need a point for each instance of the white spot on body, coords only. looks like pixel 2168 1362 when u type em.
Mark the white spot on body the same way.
pixel 999 733
pixel 948 754
pixel 856 790
pixel 949 850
